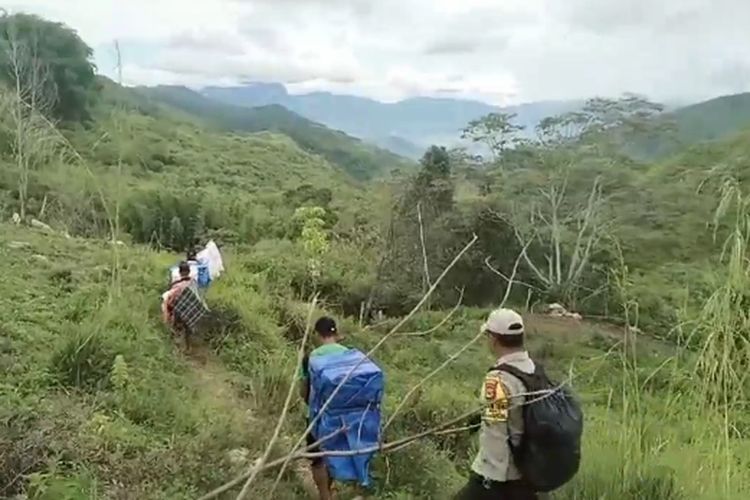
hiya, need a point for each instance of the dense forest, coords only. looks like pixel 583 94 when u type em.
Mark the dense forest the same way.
pixel 632 216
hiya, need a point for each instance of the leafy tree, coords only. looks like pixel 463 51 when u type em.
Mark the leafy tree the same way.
pixel 176 231
pixel 433 185
pixel 313 237
pixel 170 220
pixel 308 195
pixel 496 131
pixel 53 50
pixel 603 121
pixel 415 244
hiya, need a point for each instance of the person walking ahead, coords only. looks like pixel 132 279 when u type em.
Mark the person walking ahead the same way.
pixel 329 338
pixel 171 296
pixel 182 307
pixel 494 474
pixel 530 436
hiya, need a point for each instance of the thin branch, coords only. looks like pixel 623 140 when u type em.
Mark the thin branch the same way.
pixel 236 481
pixel 375 326
pixel 524 242
pixel 513 274
pixel 442 429
pixel 452 430
pixel 399 443
pixel 392 332
pixel 503 276
pixel 555 198
pixel 589 214
pixel 434 372
pixel 455 355
pixel 287 403
pixel 388 447
pixel 544 279
pixel 394 446
pixel 344 428
pixel 456 430
pixel 442 322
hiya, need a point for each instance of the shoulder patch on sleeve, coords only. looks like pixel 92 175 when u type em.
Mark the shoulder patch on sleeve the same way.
pixel 495 399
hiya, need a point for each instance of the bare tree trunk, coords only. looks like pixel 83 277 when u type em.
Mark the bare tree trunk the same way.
pixel 31 98
pixel 15 62
pixel 427 282
pixel 564 274
pixel 380 267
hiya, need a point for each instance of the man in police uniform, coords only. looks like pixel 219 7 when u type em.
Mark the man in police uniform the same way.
pixel 494 475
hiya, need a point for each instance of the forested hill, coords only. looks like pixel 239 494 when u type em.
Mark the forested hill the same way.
pixel 713 119
pixel 706 121
pixel 359 159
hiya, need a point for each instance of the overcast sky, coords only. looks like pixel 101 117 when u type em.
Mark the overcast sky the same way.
pixel 503 51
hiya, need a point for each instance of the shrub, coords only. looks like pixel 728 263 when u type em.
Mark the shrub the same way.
pixel 84 359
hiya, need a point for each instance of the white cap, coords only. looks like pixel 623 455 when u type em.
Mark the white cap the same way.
pixel 504 322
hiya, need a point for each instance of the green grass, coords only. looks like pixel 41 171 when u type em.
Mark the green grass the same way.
pixel 162 426
pixel 96 403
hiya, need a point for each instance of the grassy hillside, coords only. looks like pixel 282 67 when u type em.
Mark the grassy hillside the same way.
pixel 172 179
pixel 97 404
pixel 669 196
pixel 712 120
pixel 361 160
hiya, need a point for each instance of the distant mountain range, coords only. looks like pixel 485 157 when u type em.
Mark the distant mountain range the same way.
pixel 368 138
pixel 405 127
pixel 359 159
pixel 408 127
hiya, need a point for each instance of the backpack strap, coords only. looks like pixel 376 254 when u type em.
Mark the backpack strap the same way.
pixel 526 378
pixel 531 381
pixel 306 372
pixel 513 370
pixel 306 364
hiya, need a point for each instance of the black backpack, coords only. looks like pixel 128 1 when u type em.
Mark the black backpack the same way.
pixel 549 454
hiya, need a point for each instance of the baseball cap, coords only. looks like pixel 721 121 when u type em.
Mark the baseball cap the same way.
pixel 504 322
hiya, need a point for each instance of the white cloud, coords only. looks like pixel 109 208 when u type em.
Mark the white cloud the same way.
pixel 503 51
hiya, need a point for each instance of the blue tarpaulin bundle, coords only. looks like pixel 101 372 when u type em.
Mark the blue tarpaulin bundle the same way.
pixel 207 266
pixel 355 409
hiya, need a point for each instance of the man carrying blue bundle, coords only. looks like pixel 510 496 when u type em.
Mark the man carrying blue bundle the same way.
pixel 343 390
pixel 329 338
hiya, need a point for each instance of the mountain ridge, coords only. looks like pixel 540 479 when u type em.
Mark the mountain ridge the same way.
pixel 417 121
pixel 358 158
pixel 408 126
